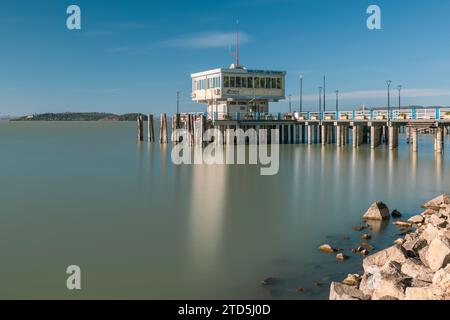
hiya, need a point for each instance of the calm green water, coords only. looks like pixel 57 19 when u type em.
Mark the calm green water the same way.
pixel 140 227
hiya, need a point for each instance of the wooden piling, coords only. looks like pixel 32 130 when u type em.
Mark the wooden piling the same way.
pixel 163 133
pixel 140 127
pixel 150 128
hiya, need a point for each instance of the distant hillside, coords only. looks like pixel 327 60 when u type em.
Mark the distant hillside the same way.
pixel 79 116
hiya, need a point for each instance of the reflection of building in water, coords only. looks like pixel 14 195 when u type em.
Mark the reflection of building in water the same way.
pixel 207 211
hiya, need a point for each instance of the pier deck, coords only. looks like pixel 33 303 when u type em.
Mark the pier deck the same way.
pixel 340 128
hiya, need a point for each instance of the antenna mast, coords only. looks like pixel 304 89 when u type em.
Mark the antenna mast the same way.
pixel 237 43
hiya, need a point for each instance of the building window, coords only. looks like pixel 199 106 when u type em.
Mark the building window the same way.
pixel 232 82
pixel 268 83
pixel 226 82
pixel 274 83
pixel 278 83
pixel 250 83
pixel 244 82
pixel 238 82
pixel 263 82
pixel 257 83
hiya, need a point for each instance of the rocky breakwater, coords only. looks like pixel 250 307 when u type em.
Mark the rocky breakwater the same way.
pixel 416 267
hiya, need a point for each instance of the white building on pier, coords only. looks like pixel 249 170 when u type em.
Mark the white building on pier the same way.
pixel 237 90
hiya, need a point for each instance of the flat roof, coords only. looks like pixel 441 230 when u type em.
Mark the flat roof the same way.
pixel 237 71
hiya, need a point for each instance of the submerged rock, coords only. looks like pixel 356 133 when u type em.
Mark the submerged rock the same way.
pixel 341 257
pixel 396 214
pixel 366 236
pixel 402 224
pixel 301 290
pixel 367 246
pixel 377 211
pixel 327 248
pixel 268 281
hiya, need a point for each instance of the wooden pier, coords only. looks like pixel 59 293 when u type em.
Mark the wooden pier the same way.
pixel 374 128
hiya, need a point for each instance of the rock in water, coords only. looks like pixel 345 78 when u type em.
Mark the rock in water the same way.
pixel 396 214
pixel 416 219
pixel 341 257
pixel 339 291
pixel 377 211
pixel 327 248
pixel 352 280
pixel 366 236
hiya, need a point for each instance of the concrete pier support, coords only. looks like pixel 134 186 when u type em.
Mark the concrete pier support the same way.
pixel 356 136
pixel 339 136
pixel 347 135
pixel 309 133
pixel 374 136
pixel 323 135
pixel 393 137
pixel 439 140
pixel 240 136
pixel 229 137
pixel 316 134
pixel 415 139
pixel 199 129
pixel 303 133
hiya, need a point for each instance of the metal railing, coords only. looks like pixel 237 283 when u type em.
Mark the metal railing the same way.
pixel 414 114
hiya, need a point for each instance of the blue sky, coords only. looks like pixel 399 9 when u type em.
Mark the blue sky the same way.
pixel 132 56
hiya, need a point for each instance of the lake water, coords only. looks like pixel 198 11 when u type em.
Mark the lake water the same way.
pixel 140 227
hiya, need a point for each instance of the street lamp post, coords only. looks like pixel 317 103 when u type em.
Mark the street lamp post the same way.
pixel 320 100
pixel 301 94
pixel 399 97
pixel 178 102
pixel 337 101
pixel 290 103
pixel 389 82
pixel 324 93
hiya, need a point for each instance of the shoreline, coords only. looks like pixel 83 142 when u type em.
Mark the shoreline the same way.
pixel 415 267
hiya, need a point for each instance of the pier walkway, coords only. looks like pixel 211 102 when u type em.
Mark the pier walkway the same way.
pixel 374 127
